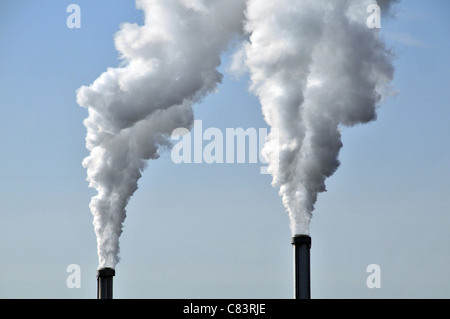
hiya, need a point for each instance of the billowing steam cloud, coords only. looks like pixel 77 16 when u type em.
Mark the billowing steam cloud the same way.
pixel 315 65
pixel 169 63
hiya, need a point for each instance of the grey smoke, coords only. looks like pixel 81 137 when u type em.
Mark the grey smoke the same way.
pixel 386 5
pixel 314 64
pixel 169 64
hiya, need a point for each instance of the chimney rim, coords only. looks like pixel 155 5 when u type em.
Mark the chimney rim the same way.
pixel 301 240
pixel 106 272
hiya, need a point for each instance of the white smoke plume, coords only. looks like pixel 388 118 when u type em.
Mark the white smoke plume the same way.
pixel 315 65
pixel 168 64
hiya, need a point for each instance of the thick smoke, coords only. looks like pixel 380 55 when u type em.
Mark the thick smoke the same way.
pixel 315 65
pixel 386 5
pixel 169 64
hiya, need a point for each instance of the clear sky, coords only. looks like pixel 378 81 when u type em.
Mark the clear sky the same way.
pixel 219 230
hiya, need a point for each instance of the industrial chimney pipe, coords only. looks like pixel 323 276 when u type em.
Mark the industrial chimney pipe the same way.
pixel 302 273
pixel 105 283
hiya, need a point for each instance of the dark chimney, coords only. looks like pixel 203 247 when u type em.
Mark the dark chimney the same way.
pixel 105 283
pixel 302 276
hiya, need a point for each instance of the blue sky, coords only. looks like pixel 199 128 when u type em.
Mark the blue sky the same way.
pixel 219 231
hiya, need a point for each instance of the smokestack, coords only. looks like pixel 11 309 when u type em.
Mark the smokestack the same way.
pixel 105 283
pixel 302 276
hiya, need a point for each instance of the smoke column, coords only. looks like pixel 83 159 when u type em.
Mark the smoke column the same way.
pixel 315 66
pixel 168 64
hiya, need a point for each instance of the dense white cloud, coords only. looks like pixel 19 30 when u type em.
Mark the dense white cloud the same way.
pixel 313 64
pixel 170 63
